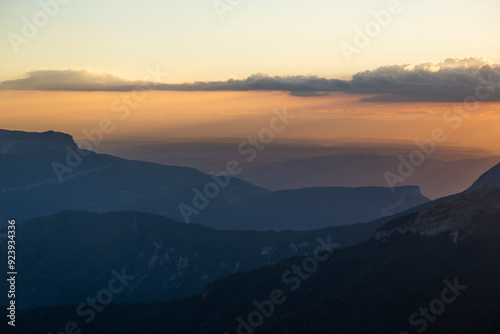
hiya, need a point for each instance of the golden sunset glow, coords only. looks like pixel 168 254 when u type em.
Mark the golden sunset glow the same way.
pixel 338 116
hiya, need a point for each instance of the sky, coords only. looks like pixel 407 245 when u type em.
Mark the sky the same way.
pixel 188 39
pixel 224 68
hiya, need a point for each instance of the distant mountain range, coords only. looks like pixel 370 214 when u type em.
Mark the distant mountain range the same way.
pixel 45 173
pixel 284 165
pixel 311 208
pixel 435 178
pixel 434 269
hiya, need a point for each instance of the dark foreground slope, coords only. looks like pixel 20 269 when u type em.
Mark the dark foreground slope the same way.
pixel 69 256
pixel 435 270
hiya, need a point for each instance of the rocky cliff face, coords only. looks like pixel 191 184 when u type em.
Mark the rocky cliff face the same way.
pixel 490 179
pixel 17 142
pixel 462 216
pixel 459 217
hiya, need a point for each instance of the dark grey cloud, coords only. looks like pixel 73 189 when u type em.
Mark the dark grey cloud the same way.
pixel 452 80
pixel 264 82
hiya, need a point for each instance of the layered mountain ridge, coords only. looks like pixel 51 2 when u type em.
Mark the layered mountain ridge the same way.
pixel 383 285
pixel 378 286
pixel 45 173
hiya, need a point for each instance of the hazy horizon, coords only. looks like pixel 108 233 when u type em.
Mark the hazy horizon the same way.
pixel 241 114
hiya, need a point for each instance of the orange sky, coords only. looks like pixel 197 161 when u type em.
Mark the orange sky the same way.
pixel 240 114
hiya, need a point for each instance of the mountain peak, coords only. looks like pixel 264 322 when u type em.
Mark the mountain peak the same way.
pixel 19 142
pixel 490 179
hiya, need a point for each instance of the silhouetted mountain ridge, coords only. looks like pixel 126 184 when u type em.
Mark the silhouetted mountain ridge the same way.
pixel 18 142
pixel 49 172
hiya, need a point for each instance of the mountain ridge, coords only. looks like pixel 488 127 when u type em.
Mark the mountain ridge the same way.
pixel 49 171
pixel 19 142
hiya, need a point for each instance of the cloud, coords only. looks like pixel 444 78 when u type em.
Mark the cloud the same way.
pixel 72 80
pixel 452 80
pixel 307 93
pixel 260 81
pixel 83 80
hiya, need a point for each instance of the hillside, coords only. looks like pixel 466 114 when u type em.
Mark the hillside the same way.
pixel 65 257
